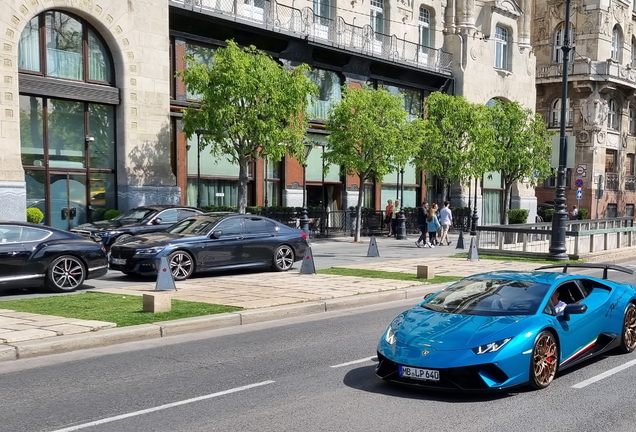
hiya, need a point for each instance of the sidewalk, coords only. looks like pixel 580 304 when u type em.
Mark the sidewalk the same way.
pixel 265 296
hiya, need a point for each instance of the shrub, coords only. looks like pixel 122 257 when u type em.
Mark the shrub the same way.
pixel 112 213
pixel 583 214
pixel 549 213
pixel 34 215
pixel 517 216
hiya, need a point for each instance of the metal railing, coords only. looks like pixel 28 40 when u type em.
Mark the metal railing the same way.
pixel 630 183
pixel 611 181
pixel 335 32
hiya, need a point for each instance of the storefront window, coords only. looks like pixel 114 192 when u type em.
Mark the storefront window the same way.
pixel 314 161
pixel 412 99
pixel 329 93
pixel 31 128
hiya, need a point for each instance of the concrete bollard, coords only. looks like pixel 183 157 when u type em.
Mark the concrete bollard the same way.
pixel 157 302
pixel 425 271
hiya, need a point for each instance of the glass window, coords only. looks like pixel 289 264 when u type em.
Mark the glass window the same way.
pixel 202 55
pixel 184 213
pixel 412 99
pixel 629 209
pixel 632 121
pixel 314 161
pixel 64 46
pixel 610 161
pixel 410 176
pixel 211 165
pixel 31 130
pixel 103 194
pixel 214 192
pixel 258 225
pixel 322 8
pixel 29 47
pixel 101 130
pixel 629 168
pixel 501 48
pixel 98 61
pixel 559 40
pixel 491 207
pixel 168 216
pixel 329 93
pixel 425 27
pixel 230 226
pixel 617 43
pixel 555 113
pixel 550 182
pixel 369 196
pixel 612 115
pixel 66 134
pixel 34 234
pixel 377 18
pixel 612 211
pixel 10 234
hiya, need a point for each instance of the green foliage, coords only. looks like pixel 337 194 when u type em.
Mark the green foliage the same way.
pixel 110 214
pixel 549 214
pixel 249 105
pixel 583 214
pixel 34 215
pixel 518 216
pixel 371 135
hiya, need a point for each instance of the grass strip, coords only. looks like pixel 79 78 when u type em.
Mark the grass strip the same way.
pixel 513 258
pixel 124 310
pixel 378 274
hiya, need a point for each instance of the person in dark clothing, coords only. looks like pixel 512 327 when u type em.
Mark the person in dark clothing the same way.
pixel 422 213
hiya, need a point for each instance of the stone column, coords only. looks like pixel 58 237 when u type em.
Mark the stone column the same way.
pixel 524 24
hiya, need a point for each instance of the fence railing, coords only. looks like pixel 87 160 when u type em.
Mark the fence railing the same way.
pixel 581 237
pixel 336 31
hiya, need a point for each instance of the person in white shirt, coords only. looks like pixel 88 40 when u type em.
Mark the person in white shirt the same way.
pixel 575 213
pixel 558 304
pixel 446 220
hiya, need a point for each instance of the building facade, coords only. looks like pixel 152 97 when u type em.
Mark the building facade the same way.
pixel 90 115
pixel 601 109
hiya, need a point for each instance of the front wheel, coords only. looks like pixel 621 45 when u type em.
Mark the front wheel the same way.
pixel 544 361
pixel 181 265
pixel 283 258
pixel 66 273
pixel 628 338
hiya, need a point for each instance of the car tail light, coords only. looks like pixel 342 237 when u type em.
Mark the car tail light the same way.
pixel 303 234
pixel 103 249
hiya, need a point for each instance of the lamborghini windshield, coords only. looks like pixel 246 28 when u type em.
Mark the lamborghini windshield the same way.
pixel 489 297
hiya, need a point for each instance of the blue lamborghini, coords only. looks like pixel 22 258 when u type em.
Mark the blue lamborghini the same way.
pixel 503 329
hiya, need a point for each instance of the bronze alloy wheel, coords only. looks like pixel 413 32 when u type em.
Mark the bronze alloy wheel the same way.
pixel 283 258
pixel 181 265
pixel 628 341
pixel 545 360
pixel 66 273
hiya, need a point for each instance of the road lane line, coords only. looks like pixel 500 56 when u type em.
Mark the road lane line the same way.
pixel 364 360
pixel 605 374
pixel 161 407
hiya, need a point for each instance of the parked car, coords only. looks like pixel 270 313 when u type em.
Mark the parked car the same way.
pixel 213 241
pixel 139 220
pixel 33 254
pixel 542 207
pixel 504 329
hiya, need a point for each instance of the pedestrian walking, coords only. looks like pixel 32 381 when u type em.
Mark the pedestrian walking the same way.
pixel 433 225
pixel 575 213
pixel 446 220
pixel 394 216
pixel 422 213
pixel 388 215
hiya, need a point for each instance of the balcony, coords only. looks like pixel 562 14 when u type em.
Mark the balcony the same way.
pixel 593 70
pixel 304 23
pixel 611 181
pixel 630 183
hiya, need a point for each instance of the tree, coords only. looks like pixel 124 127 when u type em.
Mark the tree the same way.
pixel 370 136
pixel 457 139
pixel 250 105
pixel 522 146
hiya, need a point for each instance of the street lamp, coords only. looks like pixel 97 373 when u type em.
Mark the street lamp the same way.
pixel 264 156
pixel 304 219
pixel 401 220
pixel 473 226
pixel 558 251
pixel 323 214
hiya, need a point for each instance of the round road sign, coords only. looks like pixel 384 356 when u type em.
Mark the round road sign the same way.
pixel 580 170
pixel 578 183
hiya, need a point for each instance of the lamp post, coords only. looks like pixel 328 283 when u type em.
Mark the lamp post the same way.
pixel 323 215
pixel 264 155
pixel 473 226
pixel 558 251
pixel 304 219
pixel 401 220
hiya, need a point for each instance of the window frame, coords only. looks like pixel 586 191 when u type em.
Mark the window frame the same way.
pixel 555 113
pixel 558 39
pixel 617 43
pixel 424 22
pixel 613 113
pixel 502 47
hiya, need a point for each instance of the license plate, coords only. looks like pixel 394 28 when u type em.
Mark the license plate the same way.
pixel 417 373
pixel 118 261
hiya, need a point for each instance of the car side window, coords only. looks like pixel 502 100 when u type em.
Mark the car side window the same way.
pixel 570 292
pixel 184 213
pixel 230 227
pixel 256 225
pixel 10 234
pixel 168 216
pixel 34 234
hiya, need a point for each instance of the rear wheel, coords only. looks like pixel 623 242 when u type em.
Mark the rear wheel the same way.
pixel 544 361
pixel 628 338
pixel 283 258
pixel 181 265
pixel 66 273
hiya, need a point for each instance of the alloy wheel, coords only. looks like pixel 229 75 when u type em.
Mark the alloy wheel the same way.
pixel 181 265
pixel 544 359
pixel 283 258
pixel 629 329
pixel 66 274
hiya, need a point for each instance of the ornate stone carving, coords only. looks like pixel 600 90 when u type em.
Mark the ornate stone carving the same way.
pixel 594 112
pixel 584 136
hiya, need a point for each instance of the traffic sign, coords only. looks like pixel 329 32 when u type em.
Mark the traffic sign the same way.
pixel 579 194
pixel 578 183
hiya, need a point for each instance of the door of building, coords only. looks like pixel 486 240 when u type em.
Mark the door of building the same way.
pixel 67 202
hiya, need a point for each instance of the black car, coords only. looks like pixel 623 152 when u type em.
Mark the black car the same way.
pixel 31 254
pixel 213 241
pixel 139 220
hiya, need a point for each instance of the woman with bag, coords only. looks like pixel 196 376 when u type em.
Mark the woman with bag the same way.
pixel 433 225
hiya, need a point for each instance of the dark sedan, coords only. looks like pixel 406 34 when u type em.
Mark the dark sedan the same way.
pixel 33 254
pixel 213 241
pixel 139 220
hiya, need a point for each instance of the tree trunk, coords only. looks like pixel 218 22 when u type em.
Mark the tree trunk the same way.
pixel 242 190
pixel 356 238
pixel 506 204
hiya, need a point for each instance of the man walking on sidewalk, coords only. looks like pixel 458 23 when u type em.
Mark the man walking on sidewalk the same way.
pixel 422 213
pixel 446 220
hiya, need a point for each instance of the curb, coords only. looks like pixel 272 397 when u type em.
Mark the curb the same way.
pixel 100 338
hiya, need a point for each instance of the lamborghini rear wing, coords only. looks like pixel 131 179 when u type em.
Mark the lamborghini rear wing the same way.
pixel 605 267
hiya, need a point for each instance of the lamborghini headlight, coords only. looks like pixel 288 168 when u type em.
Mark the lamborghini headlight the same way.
pixel 389 336
pixel 491 347
pixel 395 325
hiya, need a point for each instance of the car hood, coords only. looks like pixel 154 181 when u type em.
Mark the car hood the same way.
pixel 108 225
pixel 445 331
pixel 157 239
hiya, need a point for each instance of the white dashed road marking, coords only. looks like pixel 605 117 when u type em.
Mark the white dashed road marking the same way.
pixel 162 407
pixel 605 374
pixel 364 360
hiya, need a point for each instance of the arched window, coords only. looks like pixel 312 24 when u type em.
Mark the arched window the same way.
pixel 425 27
pixel 501 48
pixel 59 45
pixel 632 121
pixel 617 43
pixel 555 113
pixel 559 40
pixel 632 57
pixel 613 115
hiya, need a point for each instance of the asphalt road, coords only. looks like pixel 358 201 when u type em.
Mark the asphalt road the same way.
pixel 302 374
